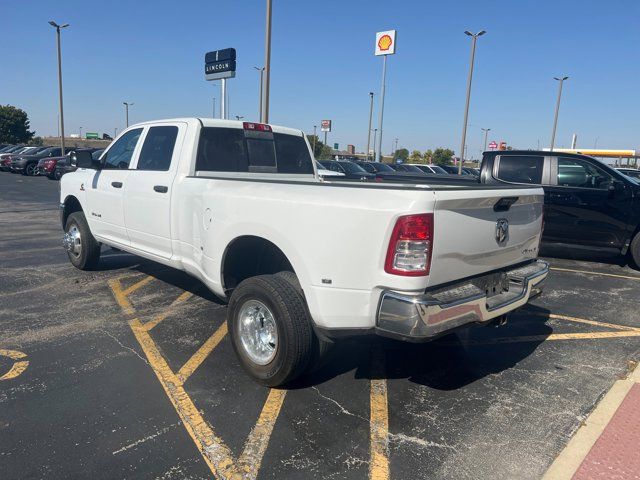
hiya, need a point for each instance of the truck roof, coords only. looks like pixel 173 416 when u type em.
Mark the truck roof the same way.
pixel 217 122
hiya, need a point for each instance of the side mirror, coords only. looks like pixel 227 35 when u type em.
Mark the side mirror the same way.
pixel 83 159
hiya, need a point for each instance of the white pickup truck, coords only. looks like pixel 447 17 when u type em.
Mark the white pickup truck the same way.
pixel 302 259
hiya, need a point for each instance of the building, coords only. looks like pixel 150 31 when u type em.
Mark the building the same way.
pixel 351 149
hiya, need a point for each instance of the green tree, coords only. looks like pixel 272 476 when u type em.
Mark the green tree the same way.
pixel 321 151
pixel 428 156
pixel 402 154
pixel 37 141
pixel 416 157
pixel 442 156
pixel 14 125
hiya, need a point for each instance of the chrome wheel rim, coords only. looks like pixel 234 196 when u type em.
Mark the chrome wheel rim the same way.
pixel 72 241
pixel 258 332
pixel 31 169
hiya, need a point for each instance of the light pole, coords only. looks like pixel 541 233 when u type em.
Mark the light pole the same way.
pixel 555 118
pixel 370 118
pixel 126 110
pixel 375 134
pixel 486 132
pixel 264 118
pixel 81 132
pixel 261 70
pixel 58 27
pixel 214 108
pixel 474 38
pixel 396 145
pixel 314 140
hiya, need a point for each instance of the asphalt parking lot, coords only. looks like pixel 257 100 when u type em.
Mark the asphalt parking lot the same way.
pixel 127 372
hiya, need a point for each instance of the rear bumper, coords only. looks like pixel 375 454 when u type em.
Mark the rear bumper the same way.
pixel 422 317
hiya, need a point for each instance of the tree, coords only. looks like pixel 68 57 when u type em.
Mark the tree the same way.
pixel 321 151
pixel 14 125
pixel 442 156
pixel 428 156
pixel 402 154
pixel 416 157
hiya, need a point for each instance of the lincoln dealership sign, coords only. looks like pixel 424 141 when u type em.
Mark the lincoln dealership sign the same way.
pixel 220 64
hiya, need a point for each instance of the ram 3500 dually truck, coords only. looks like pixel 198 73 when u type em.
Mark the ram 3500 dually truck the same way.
pixel 303 259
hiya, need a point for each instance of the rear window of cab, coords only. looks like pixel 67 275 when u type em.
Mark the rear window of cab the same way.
pixel 239 150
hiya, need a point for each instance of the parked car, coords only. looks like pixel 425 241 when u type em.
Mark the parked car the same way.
pixel 406 168
pixel 28 164
pixel 453 169
pixel 64 166
pixel 7 158
pixel 349 169
pixel 430 169
pixel 47 165
pixel 323 172
pixel 239 206
pixel 630 172
pixel 4 147
pixel 587 203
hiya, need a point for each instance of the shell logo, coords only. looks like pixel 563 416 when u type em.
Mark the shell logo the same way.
pixel 385 42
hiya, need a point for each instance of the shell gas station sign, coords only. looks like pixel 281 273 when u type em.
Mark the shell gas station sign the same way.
pixel 386 42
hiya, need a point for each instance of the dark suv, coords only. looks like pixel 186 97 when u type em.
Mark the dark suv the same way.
pixel 587 202
pixel 28 164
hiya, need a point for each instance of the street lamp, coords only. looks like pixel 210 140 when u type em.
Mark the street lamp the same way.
pixel 238 117
pixel 264 118
pixel 214 108
pixel 555 119
pixel 261 70
pixel 370 118
pixel 58 28
pixel 314 140
pixel 486 131
pixel 126 110
pixel 474 38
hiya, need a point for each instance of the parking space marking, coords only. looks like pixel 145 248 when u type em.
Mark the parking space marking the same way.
pixel 18 367
pixel 203 352
pixel 161 316
pixel 379 421
pixel 586 272
pixel 215 452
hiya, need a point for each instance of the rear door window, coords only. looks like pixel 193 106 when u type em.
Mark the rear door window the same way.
pixel 157 149
pixel 521 168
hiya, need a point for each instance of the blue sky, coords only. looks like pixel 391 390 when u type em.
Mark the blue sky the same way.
pixel 152 54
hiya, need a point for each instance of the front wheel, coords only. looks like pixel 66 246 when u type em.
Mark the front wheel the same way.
pixel 83 249
pixel 31 169
pixel 270 329
pixel 634 250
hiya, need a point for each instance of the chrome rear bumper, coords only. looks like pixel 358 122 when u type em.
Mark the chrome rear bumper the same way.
pixel 424 316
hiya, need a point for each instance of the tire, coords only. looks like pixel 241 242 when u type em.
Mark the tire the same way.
pixel 30 169
pixel 77 234
pixel 52 176
pixel 634 250
pixel 284 357
pixel 57 174
pixel 320 347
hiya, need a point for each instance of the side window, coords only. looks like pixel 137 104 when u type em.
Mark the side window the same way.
pixel 368 168
pixel 157 149
pixel 573 172
pixel 292 154
pixel 221 150
pixel 520 168
pixel 119 155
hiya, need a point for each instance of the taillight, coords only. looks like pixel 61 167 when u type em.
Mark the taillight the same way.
pixel 259 127
pixel 410 246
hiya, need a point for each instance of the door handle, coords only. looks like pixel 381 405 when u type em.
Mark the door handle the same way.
pixel 161 188
pixel 116 184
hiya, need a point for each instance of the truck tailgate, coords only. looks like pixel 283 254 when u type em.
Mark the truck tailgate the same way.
pixel 476 231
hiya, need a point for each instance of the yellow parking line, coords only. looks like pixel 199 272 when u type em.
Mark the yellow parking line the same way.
pixel 551 337
pixel 593 322
pixel 18 367
pixel 215 452
pixel 203 352
pixel 158 318
pixel 590 272
pixel 137 285
pixel 379 422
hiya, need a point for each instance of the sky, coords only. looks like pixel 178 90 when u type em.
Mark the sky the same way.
pixel 151 53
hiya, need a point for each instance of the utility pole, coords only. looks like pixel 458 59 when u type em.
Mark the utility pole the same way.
pixel 214 108
pixel 115 132
pixel 370 118
pixel 555 118
pixel 378 157
pixel 474 38
pixel 396 145
pixel 80 132
pixel 126 112
pixel 58 27
pixel 267 66
pixel 486 131
pixel 375 134
pixel 261 70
